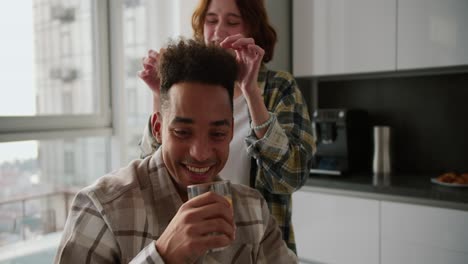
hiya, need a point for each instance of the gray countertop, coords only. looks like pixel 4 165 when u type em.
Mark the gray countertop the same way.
pixel 406 188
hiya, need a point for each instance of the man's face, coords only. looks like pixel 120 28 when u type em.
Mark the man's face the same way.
pixel 195 131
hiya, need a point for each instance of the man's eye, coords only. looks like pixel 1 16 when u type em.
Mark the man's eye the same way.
pixel 181 133
pixel 219 135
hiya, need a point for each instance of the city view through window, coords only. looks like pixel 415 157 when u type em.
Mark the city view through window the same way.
pixel 50 70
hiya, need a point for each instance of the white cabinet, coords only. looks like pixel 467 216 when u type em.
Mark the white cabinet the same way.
pixel 432 33
pixel 342 36
pixel 346 37
pixel 423 235
pixel 336 229
pixel 339 229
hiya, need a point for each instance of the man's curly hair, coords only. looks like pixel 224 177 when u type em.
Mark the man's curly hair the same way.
pixel 194 61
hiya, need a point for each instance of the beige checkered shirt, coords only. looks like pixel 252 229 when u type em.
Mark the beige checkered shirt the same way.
pixel 279 164
pixel 117 219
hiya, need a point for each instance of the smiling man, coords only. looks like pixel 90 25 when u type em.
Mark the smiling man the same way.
pixel 141 214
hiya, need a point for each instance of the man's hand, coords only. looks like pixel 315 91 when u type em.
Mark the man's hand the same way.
pixel 202 223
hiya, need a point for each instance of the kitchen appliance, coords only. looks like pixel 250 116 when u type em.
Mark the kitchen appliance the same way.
pixel 343 141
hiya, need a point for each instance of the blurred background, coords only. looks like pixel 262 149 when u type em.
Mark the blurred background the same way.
pixel 73 109
pixel 71 105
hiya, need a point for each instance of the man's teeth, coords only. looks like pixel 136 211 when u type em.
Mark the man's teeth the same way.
pixel 197 170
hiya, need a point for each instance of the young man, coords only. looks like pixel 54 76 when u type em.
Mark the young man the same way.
pixel 141 214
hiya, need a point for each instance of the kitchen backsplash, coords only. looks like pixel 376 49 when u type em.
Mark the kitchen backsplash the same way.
pixel 428 115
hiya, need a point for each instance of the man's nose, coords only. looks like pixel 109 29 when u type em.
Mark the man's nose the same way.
pixel 200 150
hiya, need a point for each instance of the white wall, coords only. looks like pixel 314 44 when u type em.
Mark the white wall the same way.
pixel 279 13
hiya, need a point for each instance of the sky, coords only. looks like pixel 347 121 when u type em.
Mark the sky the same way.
pixel 10 151
pixel 16 59
pixel 17 91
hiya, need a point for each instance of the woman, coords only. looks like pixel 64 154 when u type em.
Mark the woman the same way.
pixel 272 142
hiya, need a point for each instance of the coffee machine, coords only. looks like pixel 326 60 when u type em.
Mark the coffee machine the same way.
pixel 343 139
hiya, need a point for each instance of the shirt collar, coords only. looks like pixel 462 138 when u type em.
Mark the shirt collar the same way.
pixel 162 183
pixel 163 186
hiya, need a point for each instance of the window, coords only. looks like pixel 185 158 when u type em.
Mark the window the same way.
pixel 69 162
pixel 61 127
pixel 39 179
pixel 55 118
pixel 49 61
pixel 139 26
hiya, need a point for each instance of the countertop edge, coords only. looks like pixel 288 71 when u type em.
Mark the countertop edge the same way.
pixel 387 197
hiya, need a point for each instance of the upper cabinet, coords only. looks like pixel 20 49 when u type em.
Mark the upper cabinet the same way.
pixel 342 36
pixel 360 36
pixel 432 33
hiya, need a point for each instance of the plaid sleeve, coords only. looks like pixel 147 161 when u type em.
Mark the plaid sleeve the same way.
pixel 286 149
pixel 272 247
pixel 86 237
pixel 148 144
pixel 148 255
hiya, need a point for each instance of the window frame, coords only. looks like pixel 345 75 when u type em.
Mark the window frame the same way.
pixel 19 128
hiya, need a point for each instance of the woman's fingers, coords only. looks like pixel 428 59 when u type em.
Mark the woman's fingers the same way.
pixel 242 43
pixel 150 62
pixel 236 42
pixel 152 54
pixel 251 53
pixel 226 43
pixel 149 73
pixel 256 50
pixel 243 46
pixel 143 74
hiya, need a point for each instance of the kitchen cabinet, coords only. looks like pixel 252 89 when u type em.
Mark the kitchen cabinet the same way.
pixel 342 36
pixel 332 228
pixel 336 229
pixel 432 33
pixel 346 37
pixel 423 235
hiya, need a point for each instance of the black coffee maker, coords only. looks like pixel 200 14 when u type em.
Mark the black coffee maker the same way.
pixel 343 141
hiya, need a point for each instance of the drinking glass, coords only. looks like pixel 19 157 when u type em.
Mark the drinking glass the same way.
pixel 222 188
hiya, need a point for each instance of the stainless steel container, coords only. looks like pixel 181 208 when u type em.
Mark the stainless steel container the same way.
pixel 382 164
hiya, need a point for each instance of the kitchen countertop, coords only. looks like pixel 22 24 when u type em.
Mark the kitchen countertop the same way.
pixel 406 188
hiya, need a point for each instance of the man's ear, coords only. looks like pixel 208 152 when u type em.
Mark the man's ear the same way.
pixel 156 120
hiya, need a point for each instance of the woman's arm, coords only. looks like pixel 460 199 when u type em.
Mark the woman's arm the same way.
pixel 148 144
pixel 149 74
pixel 284 152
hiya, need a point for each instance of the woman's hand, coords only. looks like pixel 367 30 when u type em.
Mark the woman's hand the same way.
pixel 249 57
pixel 149 74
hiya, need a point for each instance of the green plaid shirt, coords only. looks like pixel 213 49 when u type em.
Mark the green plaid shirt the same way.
pixel 280 159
